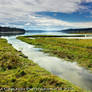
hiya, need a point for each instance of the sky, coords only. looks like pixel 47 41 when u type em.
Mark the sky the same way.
pixel 46 14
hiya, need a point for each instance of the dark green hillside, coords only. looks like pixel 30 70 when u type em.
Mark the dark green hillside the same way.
pixel 11 31
pixel 80 30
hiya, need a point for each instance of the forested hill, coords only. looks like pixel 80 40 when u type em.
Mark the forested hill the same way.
pixel 5 30
pixel 81 30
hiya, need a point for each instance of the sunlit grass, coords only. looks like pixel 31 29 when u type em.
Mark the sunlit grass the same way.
pixel 79 50
pixel 19 72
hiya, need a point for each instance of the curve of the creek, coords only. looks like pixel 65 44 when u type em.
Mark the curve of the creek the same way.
pixel 64 69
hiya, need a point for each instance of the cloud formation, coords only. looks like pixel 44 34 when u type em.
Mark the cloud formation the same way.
pixel 88 1
pixel 22 12
pixel 66 6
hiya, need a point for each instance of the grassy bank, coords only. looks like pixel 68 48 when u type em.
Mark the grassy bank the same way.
pixel 79 50
pixel 16 71
pixel 80 35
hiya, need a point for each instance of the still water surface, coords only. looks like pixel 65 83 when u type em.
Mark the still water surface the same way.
pixel 64 69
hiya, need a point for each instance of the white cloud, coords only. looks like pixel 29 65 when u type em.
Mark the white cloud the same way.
pixel 40 21
pixel 66 6
pixel 88 1
pixel 22 12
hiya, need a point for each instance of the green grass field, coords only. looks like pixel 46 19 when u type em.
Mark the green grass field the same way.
pixel 19 72
pixel 79 50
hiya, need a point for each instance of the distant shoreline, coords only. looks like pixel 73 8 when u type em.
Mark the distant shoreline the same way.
pixel 78 31
pixel 11 31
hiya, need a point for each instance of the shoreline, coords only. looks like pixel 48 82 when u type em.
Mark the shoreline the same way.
pixel 54 49
pixel 23 72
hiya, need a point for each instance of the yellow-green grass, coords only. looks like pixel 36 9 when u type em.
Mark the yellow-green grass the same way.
pixel 19 72
pixel 79 50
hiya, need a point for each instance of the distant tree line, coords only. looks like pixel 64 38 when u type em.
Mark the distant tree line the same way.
pixel 9 29
pixel 81 30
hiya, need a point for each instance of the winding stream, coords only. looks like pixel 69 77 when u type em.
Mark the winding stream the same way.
pixel 66 70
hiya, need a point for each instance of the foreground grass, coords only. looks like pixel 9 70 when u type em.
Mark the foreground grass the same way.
pixel 19 72
pixel 79 50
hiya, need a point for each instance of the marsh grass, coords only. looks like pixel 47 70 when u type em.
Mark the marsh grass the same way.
pixel 19 72
pixel 79 50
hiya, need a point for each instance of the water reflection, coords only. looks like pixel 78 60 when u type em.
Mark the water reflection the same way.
pixel 11 34
pixel 45 33
pixel 66 70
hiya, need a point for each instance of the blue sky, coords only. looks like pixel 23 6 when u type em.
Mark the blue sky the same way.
pixel 46 14
pixel 71 17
